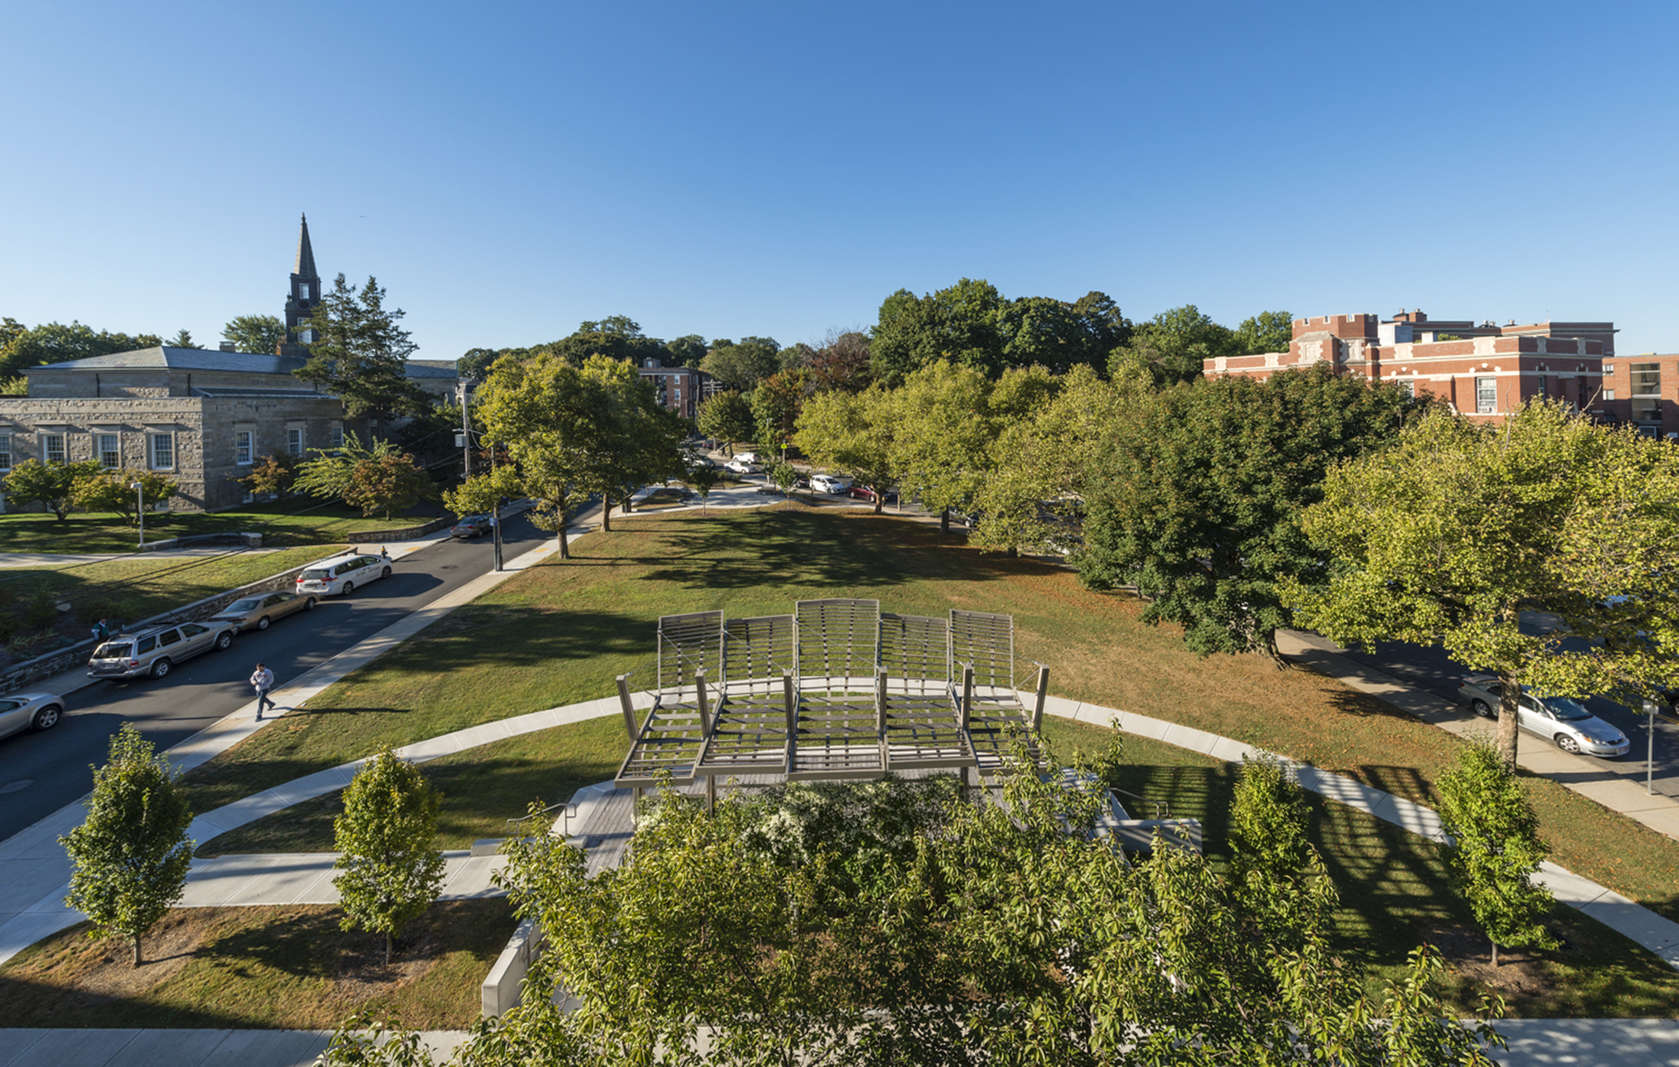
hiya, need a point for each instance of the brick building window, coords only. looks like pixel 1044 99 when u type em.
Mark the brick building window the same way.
pixel 160 449
pixel 244 448
pixel 1609 394
pixel 108 450
pixel 5 451
pixel 1646 379
pixel 52 448
pixel 1486 396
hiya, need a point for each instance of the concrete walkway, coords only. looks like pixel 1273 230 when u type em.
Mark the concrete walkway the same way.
pixel 1533 1043
pixel 1582 774
pixel 262 879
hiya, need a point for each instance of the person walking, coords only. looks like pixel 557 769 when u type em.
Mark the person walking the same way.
pixel 262 680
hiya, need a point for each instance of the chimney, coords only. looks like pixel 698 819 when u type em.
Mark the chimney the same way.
pixel 227 346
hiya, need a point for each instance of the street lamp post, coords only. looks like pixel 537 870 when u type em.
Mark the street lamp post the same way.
pixel 140 509
pixel 1649 745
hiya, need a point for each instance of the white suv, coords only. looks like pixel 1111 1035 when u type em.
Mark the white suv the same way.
pixel 833 484
pixel 341 574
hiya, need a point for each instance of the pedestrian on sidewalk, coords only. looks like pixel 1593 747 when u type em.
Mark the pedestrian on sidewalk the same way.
pixel 262 680
pixel 385 552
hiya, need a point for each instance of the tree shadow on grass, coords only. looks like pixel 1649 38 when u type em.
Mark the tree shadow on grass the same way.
pixel 510 634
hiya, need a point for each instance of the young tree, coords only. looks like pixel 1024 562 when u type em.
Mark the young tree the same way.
pixel 110 490
pixel 272 475
pixel 783 475
pixel 359 353
pixel 388 483
pixel 387 843
pixel 703 478
pixel 129 858
pixel 725 417
pixel 255 333
pixel 1198 493
pixel 1496 849
pixel 1458 531
pixel 51 485
pixel 851 432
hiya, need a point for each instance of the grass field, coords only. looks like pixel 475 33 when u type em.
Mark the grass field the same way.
pixel 560 632
pixel 278 967
pixel 124 590
pixel 298 521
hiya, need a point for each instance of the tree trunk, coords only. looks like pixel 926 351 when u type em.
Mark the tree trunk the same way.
pixel 1494 952
pixel 627 502
pixel 606 513
pixel 387 950
pixel 136 952
pixel 944 520
pixel 565 546
pixel 879 501
pixel 1509 705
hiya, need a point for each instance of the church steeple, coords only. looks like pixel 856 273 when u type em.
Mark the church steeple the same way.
pixel 304 296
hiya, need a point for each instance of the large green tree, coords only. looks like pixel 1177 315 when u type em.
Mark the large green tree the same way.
pixel 1169 348
pixel 686 351
pixel 851 432
pixel 727 418
pixel 741 365
pixel 386 837
pixel 360 352
pixel 617 336
pixel 255 333
pixel 129 857
pixel 1268 331
pixel 1198 493
pixel 55 342
pixel 52 485
pixel 775 407
pixel 1460 533
pixel 842 362
pixel 942 436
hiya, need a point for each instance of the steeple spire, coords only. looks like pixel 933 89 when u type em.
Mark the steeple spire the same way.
pixel 305 267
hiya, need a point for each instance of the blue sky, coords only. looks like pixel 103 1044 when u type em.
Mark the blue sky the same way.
pixel 777 169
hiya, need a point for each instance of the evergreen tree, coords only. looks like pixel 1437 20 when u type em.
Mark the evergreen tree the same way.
pixel 359 353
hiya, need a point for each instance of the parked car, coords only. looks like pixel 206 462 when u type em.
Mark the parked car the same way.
pixel 863 492
pixel 155 651
pixel 832 484
pixel 471 526
pixel 747 457
pixel 340 575
pixel 256 612
pixel 742 466
pixel 29 711
pixel 1561 720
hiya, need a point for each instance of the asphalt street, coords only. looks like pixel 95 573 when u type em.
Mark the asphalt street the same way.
pixel 40 773
pixel 1432 670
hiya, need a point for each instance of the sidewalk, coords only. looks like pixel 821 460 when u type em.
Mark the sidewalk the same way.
pixel 1580 773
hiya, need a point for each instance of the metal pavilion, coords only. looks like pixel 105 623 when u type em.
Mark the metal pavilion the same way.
pixel 836 690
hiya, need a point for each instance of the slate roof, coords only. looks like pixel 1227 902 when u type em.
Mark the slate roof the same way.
pixel 172 358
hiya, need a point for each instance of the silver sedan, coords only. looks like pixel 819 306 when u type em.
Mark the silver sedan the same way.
pixel 29 711
pixel 1558 719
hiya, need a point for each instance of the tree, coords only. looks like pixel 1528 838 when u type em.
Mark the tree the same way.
pixel 616 336
pixel 360 353
pixel 56 343
pixel 782 475
pixel 255 333
pixel 851 432
pixel 775 408
pixel 959 324
pixel 99 489
pixel 1198 493
pixel 725 417
pixel 474 363
pixel 742 365
pixel 1458 531
pixel 686 351
pixel 388 483
pixel 703 478
pixel 1495 850
pixel 272 475
pixel 182 339
pixel 941 442
pixel 129 858
pixel 481 493
pixel 841 363
pixel 387 843
pixel 51 485
pixel 1169 348
pixel 1268 331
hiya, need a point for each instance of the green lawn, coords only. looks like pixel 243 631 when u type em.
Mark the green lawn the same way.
pixel 299 521
pixel 266 967
pixel 560 632
pixel 124 590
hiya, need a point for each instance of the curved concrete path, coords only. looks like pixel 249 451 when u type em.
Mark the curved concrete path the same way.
pixel 1657 934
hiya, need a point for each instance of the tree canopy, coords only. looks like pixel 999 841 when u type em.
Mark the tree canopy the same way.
pixel 255 333
pixel 23 347
pixel 1169 348
pixel 360 352
pixel 1459 532
pixel 386 837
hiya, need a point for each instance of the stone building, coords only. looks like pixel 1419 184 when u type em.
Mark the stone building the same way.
pixel 204 418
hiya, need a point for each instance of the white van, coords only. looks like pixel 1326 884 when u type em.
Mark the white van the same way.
pixel 341 574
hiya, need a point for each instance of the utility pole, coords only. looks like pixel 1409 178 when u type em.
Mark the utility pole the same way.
pixel 466 428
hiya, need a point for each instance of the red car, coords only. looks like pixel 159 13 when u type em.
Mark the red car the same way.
pixel 863 492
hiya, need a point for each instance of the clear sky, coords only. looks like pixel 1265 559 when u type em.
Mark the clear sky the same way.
pixel 777 169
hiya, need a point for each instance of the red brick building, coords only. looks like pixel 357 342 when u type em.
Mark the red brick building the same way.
pixel 679 389
pixel 1483 370
pixel 1642 390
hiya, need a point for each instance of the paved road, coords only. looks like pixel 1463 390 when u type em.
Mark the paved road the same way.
pixel 40 773
pixel 1432 670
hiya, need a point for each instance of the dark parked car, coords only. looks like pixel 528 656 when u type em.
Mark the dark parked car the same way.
pixel 471 526
pixel 863 492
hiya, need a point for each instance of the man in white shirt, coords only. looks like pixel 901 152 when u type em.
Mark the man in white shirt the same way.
pixel 262 680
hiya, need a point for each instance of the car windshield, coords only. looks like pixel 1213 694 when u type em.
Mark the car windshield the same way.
pixel 315 575
pixel 1566 709
pixel 112 650
pixel 248 604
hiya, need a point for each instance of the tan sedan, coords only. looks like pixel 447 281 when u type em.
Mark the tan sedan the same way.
pixel 256 612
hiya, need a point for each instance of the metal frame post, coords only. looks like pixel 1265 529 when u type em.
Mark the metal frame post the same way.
pixel 965 712
pixel 704 702
pixel 791 702
pixel 627 705
pixel 1038 703
pixel 880 700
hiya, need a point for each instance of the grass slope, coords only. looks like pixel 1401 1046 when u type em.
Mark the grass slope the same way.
pixel 285 522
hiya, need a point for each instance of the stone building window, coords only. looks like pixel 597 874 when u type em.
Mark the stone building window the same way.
pixel 335 434
pixel 161 450
pixel 52 448
pixel 5 451
pixel 107 449
pixel 244 448
pixel 294 439
pixel 1486 396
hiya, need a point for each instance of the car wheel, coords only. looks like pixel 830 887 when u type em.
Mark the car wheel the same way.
pixel 1481 708
pixel 224 640
pixel 262 623
pixel 161 668
pixel 349 587
pixel 47 717
pixel 309 605
pixel 1567 743
pixel 386 573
